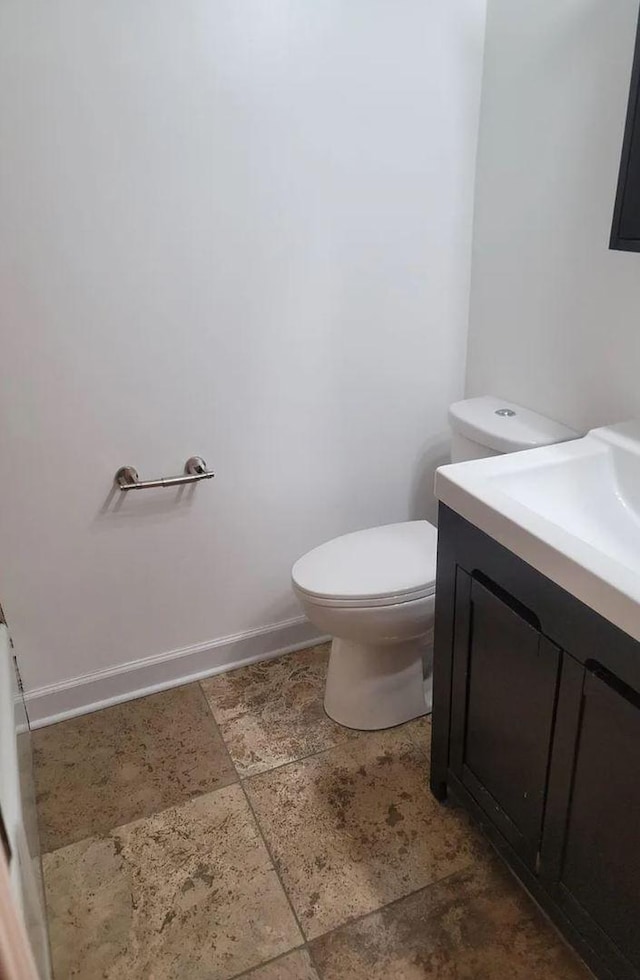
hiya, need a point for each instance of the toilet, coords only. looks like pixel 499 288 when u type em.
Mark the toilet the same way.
pixel 373 591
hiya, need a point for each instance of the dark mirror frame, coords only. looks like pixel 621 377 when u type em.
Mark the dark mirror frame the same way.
pixel 625 232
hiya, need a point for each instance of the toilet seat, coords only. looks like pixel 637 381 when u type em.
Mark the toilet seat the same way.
pixel 334 602
pixel 379 566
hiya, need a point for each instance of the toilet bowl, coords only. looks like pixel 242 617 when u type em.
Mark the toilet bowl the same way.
pixel 374 592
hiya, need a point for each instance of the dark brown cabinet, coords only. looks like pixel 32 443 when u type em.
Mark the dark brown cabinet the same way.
pixel 536 731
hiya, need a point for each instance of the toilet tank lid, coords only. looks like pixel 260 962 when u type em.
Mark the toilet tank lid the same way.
pixel 504 426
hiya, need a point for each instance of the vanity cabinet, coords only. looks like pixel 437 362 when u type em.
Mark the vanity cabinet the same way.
pixel 536 731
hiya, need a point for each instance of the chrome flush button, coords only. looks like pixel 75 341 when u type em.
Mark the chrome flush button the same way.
pixel 505 413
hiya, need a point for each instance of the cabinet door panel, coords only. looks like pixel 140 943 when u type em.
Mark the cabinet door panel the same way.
pixel 601 866
pixel 507 675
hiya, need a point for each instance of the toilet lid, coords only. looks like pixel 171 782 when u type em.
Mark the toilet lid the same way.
pixel 392 560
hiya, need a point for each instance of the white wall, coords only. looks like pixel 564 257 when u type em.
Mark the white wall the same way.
pixel 555 316
pixel 239 228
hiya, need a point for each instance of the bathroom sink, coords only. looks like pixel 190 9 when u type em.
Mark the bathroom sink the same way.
pixel 571 510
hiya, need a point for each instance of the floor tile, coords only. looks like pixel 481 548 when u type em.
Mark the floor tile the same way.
pixel 293 966
pixel 420 731
pixel 189 892
pixel 108 768
pixel 272 713
pixel 477 925
pixel 356 827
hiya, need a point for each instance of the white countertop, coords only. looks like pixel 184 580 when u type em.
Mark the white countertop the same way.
pixel 571 510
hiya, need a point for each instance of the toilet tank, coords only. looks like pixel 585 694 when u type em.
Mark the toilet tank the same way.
pixel 489 426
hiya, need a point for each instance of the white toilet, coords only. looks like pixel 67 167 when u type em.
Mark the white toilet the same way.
pixel 373 591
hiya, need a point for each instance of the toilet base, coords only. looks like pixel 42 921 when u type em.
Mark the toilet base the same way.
pixel 371 687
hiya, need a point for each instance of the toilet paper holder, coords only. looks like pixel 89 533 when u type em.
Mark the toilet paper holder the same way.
pixel 195 469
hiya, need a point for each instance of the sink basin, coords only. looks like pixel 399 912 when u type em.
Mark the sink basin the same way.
pixel 570 510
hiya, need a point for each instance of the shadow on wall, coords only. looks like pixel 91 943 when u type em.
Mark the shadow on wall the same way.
pixel 159 504
pixel 422 502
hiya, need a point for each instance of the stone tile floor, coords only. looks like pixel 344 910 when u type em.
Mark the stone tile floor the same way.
pixel 229 828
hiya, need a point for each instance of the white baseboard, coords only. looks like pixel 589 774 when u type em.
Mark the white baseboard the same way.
pixel 90 692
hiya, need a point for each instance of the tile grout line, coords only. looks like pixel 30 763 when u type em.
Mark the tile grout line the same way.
pixel 426 754
pixel 314 962
pixel 274 864
pixel 388 905
pixel 298 758
pixel 218 732
pixel 276 959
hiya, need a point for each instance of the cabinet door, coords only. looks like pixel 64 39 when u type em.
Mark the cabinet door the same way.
pixel 599 875
pixel 505 677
